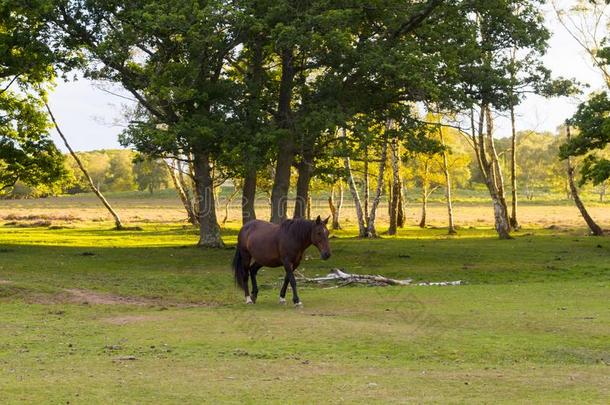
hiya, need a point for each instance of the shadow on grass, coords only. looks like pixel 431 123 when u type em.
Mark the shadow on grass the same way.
pixel 165 262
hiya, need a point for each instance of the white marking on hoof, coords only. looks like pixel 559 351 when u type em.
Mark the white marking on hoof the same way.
pixel 282 301
pixel 249 300
pixel 298 305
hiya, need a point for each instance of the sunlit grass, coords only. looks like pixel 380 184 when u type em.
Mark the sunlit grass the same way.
pixel 529 324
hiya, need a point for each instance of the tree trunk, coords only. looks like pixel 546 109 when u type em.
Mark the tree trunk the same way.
pixel 451 227
pixel 209 231
pixel 117 220
pixel 395 189
pixel 285 157
pixel 184 197
pixel 496 169
pixel 255 78
pixel 248 197
pixel 281 183
pixel 188 185
pixel 495 183
pixel 357 203
pixel 371 232
pixel 488 172
pixel 196 195
pixel 366 184
pixel 514 223
pixel 335 209
pixel 424 206
pixel 424 194
pixel 305 169
pixel 502 225
pixel 309 204
pixel 227 203
pixel 401 217
pixel 389 198
pixel 596 230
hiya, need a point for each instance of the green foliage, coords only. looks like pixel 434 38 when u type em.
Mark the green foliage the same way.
pixel 121 176
pixel 150 174
pixel 110 170
pixel 27 153
pixel 503 60
pixel 593 122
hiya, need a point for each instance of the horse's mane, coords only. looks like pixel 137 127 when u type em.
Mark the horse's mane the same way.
pixel 298 228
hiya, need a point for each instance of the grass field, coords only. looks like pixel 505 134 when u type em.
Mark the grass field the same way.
pixel 90 315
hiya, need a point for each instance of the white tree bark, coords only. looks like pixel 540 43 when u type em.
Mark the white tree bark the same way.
pixel 357 203
pixel 370 227
pixel 451 226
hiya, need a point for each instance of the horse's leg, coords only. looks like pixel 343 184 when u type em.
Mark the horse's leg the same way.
pixel 295 297
pixel 284 288
pixel 288 266
pixel 253 270
pixel 246 263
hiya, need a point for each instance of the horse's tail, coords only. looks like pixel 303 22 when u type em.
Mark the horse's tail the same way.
pixel 238 268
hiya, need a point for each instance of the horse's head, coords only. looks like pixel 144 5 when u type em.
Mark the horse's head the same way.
pixel 319 237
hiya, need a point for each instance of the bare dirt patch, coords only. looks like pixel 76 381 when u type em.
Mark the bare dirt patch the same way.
pixel 87 297
pixel 129 319
pixel 11 291
pixel 96 298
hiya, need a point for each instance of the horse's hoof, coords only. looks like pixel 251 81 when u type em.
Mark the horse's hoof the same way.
pixel 282 301
pixel 249 300
pixel 298 304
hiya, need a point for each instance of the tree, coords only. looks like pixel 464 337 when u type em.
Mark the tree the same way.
pixel 593 123
pixel 593 226
pixel 174 167
pixel 335 205
pixel 445 167
pixel 586 22
pixel 27 154
pixel 425 174
pixel 117 220
pixel 120 173
pixel 501 29
pixel 591 118
pixel 395 198
pixel 345 43
pixel 173 59
pixel 150 174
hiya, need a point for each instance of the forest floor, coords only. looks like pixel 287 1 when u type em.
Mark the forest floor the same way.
pixel 91 315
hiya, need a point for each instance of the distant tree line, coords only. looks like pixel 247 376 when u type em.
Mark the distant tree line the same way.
pixel 110 170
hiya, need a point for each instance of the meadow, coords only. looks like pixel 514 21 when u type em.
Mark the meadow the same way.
pixel 91 315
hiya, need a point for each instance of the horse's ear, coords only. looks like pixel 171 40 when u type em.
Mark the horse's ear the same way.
pixel 326 220
pixel 318 220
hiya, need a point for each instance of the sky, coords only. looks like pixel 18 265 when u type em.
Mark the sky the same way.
pixel 91 118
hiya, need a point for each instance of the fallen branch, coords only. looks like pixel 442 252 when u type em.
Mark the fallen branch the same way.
pixel 338 275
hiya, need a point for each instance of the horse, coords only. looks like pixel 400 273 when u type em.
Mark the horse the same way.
pixel 261 243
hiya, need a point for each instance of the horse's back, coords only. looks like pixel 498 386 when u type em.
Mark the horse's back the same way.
pixel 260 240
pixel 257 227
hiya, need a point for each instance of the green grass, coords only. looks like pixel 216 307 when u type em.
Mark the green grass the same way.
pixel 530 324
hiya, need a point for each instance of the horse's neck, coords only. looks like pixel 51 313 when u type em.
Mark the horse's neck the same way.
pixel 305 237
pixel 307 242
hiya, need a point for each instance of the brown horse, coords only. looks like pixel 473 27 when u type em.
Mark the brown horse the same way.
pixel 261 243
